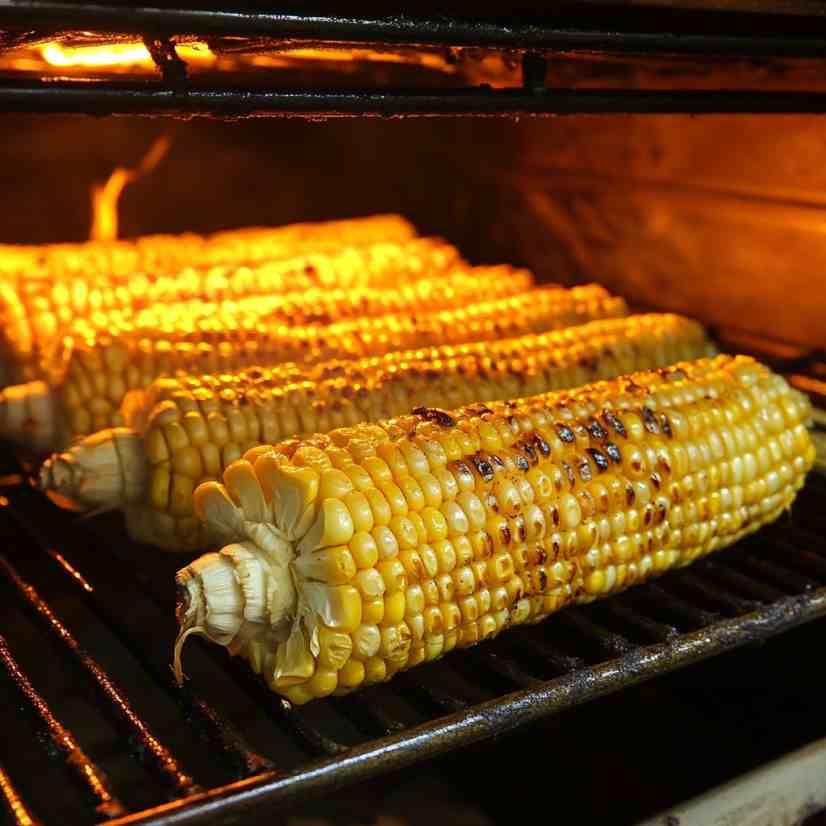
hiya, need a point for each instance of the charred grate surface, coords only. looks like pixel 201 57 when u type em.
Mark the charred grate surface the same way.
pixel 87 620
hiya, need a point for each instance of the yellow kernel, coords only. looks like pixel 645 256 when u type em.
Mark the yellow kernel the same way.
pixel 386 542
pixel 373 611
pixel 364 549
pixel 394 608
pixel 352 674
pixel 379 507
pixel 375 670
pixel 393 574
pixel 369 583
pixel 404 531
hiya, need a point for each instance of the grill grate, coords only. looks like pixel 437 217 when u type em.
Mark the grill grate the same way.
pixel 87 622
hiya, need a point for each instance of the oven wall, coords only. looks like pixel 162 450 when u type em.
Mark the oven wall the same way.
pixel 718 217
pixel 723 218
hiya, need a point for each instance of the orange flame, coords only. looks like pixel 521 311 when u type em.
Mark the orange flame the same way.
pixel 105 198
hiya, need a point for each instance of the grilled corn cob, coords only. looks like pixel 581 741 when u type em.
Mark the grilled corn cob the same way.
pixel 98 370
pixel 164 253
pixel 371 549
pixel 36 313
pixel 185 431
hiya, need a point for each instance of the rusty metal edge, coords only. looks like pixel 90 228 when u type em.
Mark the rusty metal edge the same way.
pixel 483 721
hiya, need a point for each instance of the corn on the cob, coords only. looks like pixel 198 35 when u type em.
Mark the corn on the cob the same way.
pixel 164 253
pixel 186 431
pixel 36 313
pixel 97 371
pixel 102 369
pixel 375 548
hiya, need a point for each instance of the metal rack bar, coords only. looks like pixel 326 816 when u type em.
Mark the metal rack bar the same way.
pixel 105 98
pixel 159 756
pixel 403 29
pixel 482 721
pixel 63 741
pixel 15 807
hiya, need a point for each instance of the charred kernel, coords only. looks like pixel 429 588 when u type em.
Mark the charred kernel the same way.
pixel 483 467
pixel 596 430
pixel 599 458
pixel 522 463
pixel 656 480
pixel 584 467
pixel 541 445
pixel 666 425
pixel 613 453
pixel 569 473
pixel 530 452
pixel 613 422
pixel 565 433
pixel 630 495
pixel 650 420
pixel 496 462
pixel 434 414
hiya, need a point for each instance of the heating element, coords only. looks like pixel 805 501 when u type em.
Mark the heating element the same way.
pixel 85 642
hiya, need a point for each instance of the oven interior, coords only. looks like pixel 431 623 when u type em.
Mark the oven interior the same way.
pixel 719 216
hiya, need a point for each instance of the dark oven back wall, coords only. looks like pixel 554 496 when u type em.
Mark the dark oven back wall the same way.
pixel 718 217
pixel 224 174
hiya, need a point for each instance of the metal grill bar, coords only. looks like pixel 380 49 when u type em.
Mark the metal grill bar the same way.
pixel 105 98
pixel 106 805
pixel 160 757
pixel 401 29
pixel 16 808
pixel 482 721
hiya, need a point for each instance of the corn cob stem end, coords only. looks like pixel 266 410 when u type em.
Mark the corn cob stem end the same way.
pixel 28 415
pixel 103 471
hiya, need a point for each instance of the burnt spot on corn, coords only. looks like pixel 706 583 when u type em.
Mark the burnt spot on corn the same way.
pixel 600 459
pixel 478 409
pixel 650 421
pixel 565 433
pixel 630 495
pixel 584 467
pixel 543 579
pixel 614 423
pixel 541 445
pixel 666 426
pixel 569 472
pixel 434 414
pixel 522 463
pixel 597 431
pixel 530 451
pixel 483 467
pixel 662 512
pixel 521 530
pixel 656 480
pixel 541 555
pixel 613 453
pixel 461 470
pixel 505 534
